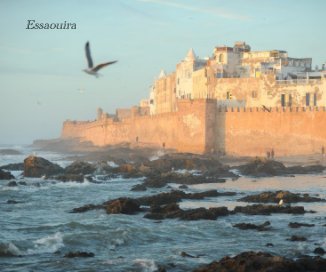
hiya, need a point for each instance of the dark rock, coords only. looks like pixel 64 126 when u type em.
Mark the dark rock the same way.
pixel 139 188
pixel 183 187
pixel 79 254
pixel 310 169
pixel 246 226
pixel 87 208
pixel 161 180
pixel 70 177
pixel 38 167
pixel 177 196
pixel 263 167
pixel 128 170
pixel 13 166
pixel 10 201
pixel 202 213
pixel 122 205
pixel 296 225
pixel 264 262
pixel 173 210
pixel 268 209
pixel 12 184
pixel 275 197
pixel 4 175
pixel 295 238
pixel 186 255
pixel 319 251
pixel 269 245
pixel 23 183
pixel 131 206
pixel 80 168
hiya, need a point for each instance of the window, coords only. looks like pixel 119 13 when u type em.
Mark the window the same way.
pixel 283 100
pixel 254 94
pixel 290 100
pixel 315 99
pixel 221 58
pixel 307 99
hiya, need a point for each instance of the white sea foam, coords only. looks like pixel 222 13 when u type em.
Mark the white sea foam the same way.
pixel 112 164
pixel 48 244
pixel 147 265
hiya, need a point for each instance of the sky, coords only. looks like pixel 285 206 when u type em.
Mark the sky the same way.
pixel 41 79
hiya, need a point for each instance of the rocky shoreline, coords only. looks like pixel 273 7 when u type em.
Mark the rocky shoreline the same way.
pixel 186 170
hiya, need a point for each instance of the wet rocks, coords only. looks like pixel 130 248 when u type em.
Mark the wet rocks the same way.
pixel 261 167
pixel 86 208
pixel 80 168
pixel 70 177
pixel 296 225
pixel 13 166
pixel 173 211
pixel 319 251
pixel 177 196
pixel 38 167
pixel 12 184
pixel 275 197
pixel 246 226
pixel 268 209
pixel 79 254
pixel 4 175
pixel 296 238
pixel 263 262
pixel 139 188
pixel 122 205
pixel 161 180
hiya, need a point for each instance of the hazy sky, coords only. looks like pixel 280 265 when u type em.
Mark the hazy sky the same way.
pixel 41 78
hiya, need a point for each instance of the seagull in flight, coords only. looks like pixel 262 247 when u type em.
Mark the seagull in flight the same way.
pixel 94 70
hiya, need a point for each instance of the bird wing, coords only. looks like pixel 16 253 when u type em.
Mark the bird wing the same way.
pixel 100 66
pixel 88 55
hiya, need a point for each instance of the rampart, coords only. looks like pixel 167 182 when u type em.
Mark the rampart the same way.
pixel 201 126
pixel 185 130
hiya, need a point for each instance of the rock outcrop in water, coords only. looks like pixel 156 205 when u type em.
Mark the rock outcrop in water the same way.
pixel 80 168
pixel 13 166
pixel 79 254
pixel 264 262
pixel 173 211
pixel 122 205
pixel 162 206
pixel 4 175
pixel 37 167
pixel 261 167
pixel 248 226
pixel 295 225
pixel 275 197
pixel 259 209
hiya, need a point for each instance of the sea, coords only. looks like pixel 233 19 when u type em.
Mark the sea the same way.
pixel 39 229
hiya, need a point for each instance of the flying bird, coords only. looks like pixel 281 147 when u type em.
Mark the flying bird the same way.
pixel 94 70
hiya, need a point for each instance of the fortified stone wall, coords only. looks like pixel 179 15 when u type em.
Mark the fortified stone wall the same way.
pixel 184 130
pixel 201 126
pixel 289 131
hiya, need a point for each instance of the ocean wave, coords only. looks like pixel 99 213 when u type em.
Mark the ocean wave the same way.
pixel 47 244
pixel 146 265
pixel 9 250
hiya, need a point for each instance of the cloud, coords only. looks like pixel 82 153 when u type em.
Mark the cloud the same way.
pixel 211 10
